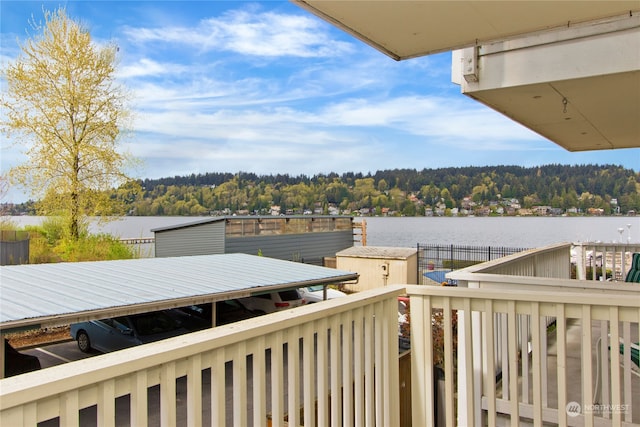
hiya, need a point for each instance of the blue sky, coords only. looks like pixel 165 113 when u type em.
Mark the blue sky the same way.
pixel 266 87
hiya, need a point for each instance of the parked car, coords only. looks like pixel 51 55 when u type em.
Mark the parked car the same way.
pixel 193 318
pixel 126 331
pixel 315 293
pixel 197 317
pixel 18 363
pixel 275 301
pixel 230 311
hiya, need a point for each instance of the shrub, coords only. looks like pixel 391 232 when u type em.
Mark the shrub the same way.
pixel 94 248
pixel 49 243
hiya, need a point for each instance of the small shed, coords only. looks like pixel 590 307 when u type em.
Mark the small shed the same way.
pixel 379 266
pixel 305 238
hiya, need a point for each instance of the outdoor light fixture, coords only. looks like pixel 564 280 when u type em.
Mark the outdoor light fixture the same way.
pixel 470 65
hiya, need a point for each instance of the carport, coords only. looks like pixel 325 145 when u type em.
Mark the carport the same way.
pixel 46 295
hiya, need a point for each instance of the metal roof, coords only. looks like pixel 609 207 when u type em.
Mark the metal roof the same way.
pixel 377 252
pixel 40 295
pixel 244 217
pixel 189 224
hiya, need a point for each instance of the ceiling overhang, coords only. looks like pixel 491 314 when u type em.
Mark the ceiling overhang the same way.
pixel 593 68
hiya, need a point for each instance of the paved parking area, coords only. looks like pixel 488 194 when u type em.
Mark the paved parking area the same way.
pixel 58 353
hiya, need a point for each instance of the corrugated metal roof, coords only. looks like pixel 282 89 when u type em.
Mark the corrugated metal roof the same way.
pixel 246 217
pixel 188 224
pixel 53 294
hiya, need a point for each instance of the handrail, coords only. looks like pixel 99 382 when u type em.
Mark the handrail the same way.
pixel 369 317
pixel 510 328
pixel 550 266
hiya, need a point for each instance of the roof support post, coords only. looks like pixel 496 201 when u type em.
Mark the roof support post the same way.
pixel 2 355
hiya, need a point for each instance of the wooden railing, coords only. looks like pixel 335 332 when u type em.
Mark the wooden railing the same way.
pixel 332 363
pixel 604 261
pixel 526 333
pixel 563 392
pixel 592 261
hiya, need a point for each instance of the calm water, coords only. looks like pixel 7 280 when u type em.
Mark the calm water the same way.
pixel 499 231
pixel 409 231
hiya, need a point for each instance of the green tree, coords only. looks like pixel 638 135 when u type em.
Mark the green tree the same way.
pixel 382 186
pixel 63 106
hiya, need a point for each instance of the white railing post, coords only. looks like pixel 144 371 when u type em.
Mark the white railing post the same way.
pixel 358 367
pixel 257 349
pixel 293 377
pixel 194 391
pixel 587 371
pixel 422 378
pixel 561 363
pixel 489 380
pixel 615 364
pixel 626 334
pixel 308 380
pixel 322 356
pixel 537 354
pixel 347 370
pixel 391 365
pixel 581 261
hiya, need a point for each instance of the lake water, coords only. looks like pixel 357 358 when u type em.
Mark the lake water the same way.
pixel 409 231
pixel 499 231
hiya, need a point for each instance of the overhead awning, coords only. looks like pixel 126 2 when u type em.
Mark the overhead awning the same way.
pixel 408 29
pixel 44 295
pixel 568 70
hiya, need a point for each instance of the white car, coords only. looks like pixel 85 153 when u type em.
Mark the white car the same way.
pixel 275 301
pixel 315 293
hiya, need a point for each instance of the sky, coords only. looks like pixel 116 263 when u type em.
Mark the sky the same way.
pixel 268 88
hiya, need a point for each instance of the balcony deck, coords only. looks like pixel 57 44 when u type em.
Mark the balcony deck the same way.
pixel 600 389
pixel 509 369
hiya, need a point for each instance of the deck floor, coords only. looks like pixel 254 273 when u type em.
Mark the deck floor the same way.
pixel 574 377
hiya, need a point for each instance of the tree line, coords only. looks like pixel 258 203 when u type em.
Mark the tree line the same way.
pixel 612 189
pixel 410 192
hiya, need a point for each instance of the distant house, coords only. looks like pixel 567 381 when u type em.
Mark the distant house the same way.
pixel 556 211
pixel 525 212
pixel 274 210
pixel 542 210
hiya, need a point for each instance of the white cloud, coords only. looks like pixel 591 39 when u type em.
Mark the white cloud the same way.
pixel 146 67
pixel 266 34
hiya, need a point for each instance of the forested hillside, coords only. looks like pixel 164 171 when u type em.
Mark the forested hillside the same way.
pixel 490 190
pixel 469 190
